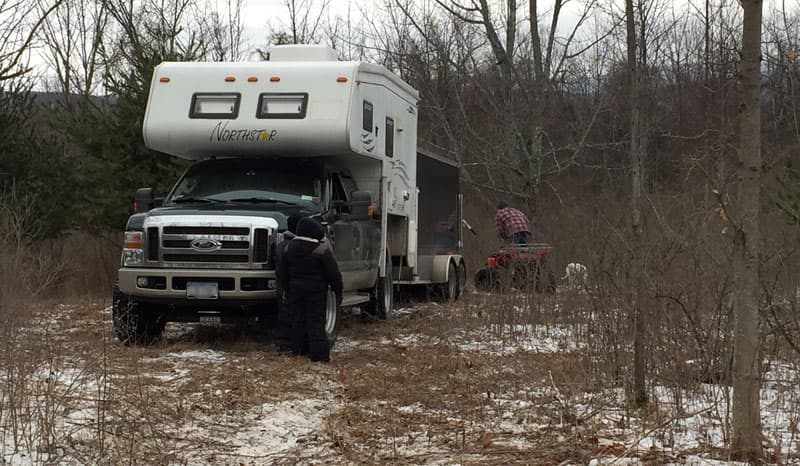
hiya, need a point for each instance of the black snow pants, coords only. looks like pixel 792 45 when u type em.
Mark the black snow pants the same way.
pixel 282 334
pixel 308 325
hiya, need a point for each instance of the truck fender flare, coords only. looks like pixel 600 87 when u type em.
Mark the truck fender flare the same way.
pixel 441 267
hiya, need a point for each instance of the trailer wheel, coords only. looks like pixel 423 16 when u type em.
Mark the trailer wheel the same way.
pixel 382 302
pixel 462 279
pixel 448 291
pixel 331 318
pixel 132 323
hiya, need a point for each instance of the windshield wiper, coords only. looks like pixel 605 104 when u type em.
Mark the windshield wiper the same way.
pixel 267 200
pixel 199 199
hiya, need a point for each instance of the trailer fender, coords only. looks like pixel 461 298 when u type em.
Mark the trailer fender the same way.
pixel 441 267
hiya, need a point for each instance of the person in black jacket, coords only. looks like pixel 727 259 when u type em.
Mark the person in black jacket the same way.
pixel 308 269
pixel 282 334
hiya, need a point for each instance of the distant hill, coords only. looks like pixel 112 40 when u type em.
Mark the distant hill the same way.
pixel 51 99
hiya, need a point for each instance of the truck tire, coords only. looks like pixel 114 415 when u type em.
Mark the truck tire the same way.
pixel 331 318
pixel 132 324
pixel 462 279
pixel 382 302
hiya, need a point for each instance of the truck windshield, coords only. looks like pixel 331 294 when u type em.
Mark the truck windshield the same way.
pixel 249 181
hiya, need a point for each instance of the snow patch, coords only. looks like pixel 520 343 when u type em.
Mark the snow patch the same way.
pixel 206 355
pixel 508 339
pixel 279 426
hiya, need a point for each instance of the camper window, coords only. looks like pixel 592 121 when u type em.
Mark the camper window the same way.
pixel 389 137
pixel 220 105
pixel 273 105
pixel 367 113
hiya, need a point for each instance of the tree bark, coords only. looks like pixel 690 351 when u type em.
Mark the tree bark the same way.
pixel 638 389
pixel 746 441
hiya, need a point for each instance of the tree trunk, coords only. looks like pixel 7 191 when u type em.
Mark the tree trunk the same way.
pixel 746 442
pixel 638 388
pixel 537 105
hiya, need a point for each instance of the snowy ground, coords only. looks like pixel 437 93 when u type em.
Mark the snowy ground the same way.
pixel 438 384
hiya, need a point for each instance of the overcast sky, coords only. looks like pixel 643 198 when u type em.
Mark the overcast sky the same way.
pixel 259 15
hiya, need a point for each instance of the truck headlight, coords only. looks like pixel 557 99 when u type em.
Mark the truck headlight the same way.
pixel 132 253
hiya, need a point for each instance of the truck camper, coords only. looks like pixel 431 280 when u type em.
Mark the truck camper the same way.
pixel 301 134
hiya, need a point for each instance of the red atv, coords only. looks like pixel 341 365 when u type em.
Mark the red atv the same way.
pixel 524 267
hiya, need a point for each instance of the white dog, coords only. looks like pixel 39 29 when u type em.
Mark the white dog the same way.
pixel 575 275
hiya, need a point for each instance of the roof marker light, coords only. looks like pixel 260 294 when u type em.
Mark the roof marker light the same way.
pixel 341 79
pixel 164 79
pixel 275 78
pixel 229 79
pixel 252 79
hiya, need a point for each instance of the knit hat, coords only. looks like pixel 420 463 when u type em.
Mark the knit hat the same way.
pixel 291 223
pixel 310 228
pixel 502 205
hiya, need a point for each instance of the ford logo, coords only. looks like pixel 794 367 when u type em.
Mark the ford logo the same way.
pixel 206 245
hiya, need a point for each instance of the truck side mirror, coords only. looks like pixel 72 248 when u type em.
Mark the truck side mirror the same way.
pixel 361 204
pixel 144 199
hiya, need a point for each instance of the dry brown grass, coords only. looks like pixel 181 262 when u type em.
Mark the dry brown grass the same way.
pixel 444 383
pixel 419 389
pixel 427 394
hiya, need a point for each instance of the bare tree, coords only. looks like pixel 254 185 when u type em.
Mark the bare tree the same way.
pixel 529 63
pixel 153 30
pixel 346 34
pixel 20 20
pixel 637 148
pixel 306 24
pixel 224 29
pixel 746 443
pixel 73 36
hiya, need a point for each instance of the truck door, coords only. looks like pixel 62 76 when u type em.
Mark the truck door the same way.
pixel 353 240
pixel 366 231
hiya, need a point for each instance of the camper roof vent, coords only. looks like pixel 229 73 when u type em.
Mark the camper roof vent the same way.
pixel 302 52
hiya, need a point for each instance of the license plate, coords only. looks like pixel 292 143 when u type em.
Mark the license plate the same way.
pixel 210 320
pixel 202 290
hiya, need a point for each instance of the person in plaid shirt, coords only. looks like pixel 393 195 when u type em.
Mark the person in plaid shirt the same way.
pixel 512 225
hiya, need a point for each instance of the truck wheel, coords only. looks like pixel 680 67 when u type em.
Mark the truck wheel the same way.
pixel 132 325
pixel 462 279
pixel 382 302
pixel 331 318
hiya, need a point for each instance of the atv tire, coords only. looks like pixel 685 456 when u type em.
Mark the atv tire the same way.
pixel 545 278
pixel 487 280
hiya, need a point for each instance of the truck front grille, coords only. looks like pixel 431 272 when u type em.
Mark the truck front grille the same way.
pixel 187 244
pixel 152 244
pixel 183 230
pixel 182 246
pixel 228 259
pixel 261 246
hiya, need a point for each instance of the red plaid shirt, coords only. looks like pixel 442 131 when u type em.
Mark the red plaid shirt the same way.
pixel 510 221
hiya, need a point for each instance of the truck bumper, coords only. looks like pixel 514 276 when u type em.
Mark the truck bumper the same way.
pixel 170 284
